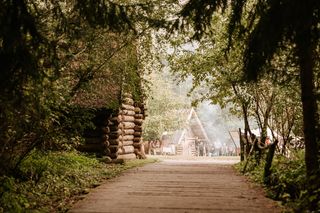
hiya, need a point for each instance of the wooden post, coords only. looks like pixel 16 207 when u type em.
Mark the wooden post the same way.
pixel 241 146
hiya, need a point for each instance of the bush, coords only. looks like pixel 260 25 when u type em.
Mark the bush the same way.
pixel 51 181
pixel 287 181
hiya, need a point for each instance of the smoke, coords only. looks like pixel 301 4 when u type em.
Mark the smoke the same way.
pixel 217 123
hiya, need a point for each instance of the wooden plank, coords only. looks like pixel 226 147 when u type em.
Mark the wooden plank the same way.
pixel 114 141
pixel 126 149
pixel 127 112
pixel 128 125
pixel 127 107
pixel 138 121
pixel 126 143
pixel 127 156
pixel 127 137
pixel 137 110
pixel 137 139
pixel 138 128
pixel 128 131
pixel 138 134
pixel 116 119
pixel 128 118
pixel 116 132
pixel 138 116
pixel 128 101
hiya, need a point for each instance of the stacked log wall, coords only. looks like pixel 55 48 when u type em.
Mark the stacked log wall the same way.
pixel 138 120
pixel 117 134
pixel 122 134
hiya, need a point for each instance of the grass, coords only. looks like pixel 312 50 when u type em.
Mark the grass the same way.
pixel 53 181
pixel 287 182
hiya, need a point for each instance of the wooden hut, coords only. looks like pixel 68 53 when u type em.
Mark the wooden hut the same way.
pixel 191 140
pixel 115 94
pixel 117 132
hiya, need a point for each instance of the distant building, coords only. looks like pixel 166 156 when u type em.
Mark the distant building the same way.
pixel 190 140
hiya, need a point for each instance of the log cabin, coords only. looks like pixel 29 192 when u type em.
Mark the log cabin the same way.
pixel 115 95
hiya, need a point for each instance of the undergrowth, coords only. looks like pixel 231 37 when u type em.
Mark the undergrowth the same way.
pixel 52 181
pixel 287 182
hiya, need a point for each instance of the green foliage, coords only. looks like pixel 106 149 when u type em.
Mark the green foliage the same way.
pixel 289 185
pixel 55 57
pixel 51 181
pixel 254 22
pixel 165 108
pixel 288 182
pixel 268 28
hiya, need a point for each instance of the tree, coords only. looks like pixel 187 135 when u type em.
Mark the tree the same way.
pixel 164 107
pixel 270 26
pixel 49 52
pixel 216 77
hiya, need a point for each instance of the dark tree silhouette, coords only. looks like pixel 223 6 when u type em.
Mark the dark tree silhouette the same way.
pixel 35 40
pixel 270 26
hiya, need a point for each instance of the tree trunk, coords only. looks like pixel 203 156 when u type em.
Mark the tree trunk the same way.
pixel 241 146
pixel 305 49
pixel 267 166
pixel 249 156
pixel 244 106
pixel 246 129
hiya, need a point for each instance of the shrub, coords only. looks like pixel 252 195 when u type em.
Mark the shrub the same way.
pixel 287 180
pixel 51 181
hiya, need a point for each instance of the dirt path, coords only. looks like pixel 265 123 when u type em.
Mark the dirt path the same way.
pixel 178 186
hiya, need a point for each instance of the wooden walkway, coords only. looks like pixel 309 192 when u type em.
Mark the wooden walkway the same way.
pixel 177 186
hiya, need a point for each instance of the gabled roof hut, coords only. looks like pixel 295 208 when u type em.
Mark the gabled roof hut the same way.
pixel 191 139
